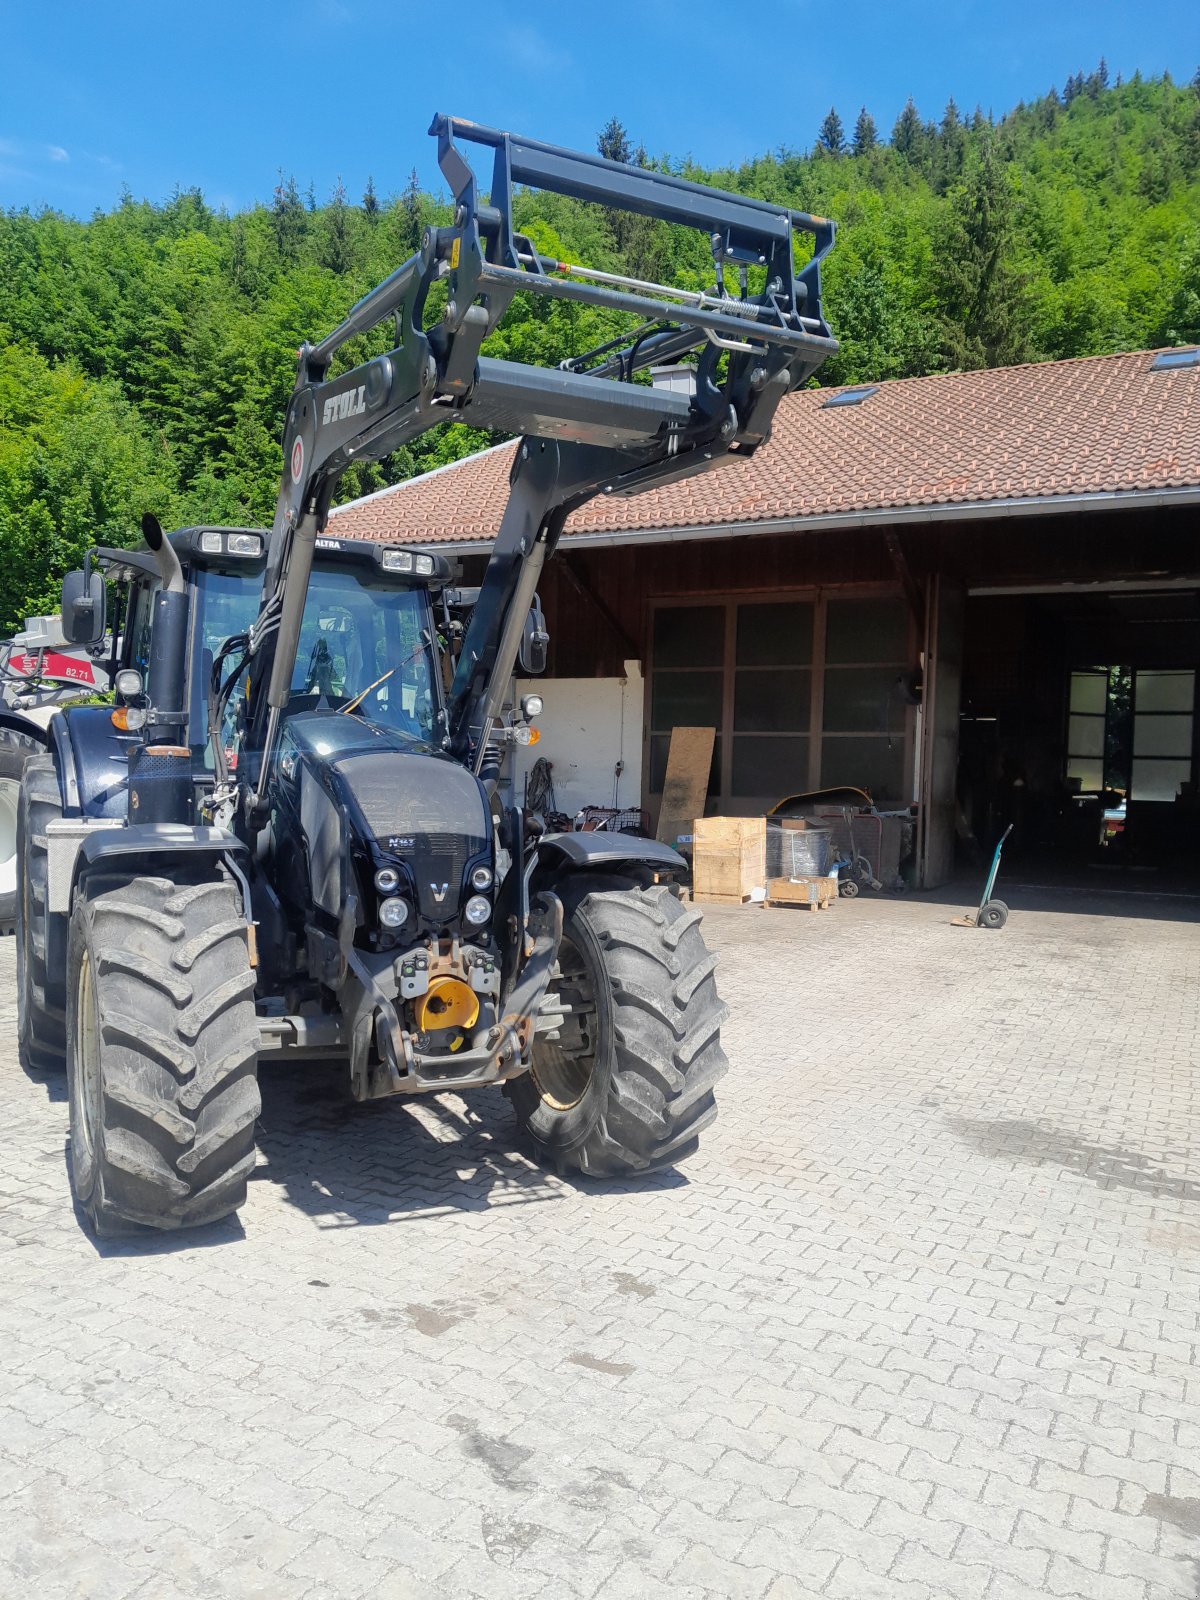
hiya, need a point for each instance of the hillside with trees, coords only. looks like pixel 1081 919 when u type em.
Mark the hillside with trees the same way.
pixel 146 354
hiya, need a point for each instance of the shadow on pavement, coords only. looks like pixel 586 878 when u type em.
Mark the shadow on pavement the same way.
pixel 398 1159
pixel 1106 899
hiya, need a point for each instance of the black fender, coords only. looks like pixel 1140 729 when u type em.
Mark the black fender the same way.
pixel 93 762
pixel 560 853
pixel 150 846
pixel 14 722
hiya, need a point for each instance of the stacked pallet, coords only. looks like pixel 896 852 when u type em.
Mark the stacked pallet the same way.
pixel 729 868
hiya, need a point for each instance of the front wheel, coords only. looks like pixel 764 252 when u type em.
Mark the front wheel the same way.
pixel 627 1083
pixel 162 1047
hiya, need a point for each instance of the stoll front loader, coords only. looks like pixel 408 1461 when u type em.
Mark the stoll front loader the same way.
pixel 340 876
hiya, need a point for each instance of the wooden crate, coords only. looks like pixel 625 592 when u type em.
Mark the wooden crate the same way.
pixel 729 859
pixel 818 894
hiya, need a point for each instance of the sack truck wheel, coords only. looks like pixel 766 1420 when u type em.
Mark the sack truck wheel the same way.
pixel 162 1054
pixel 993 915
pixel 628 1084
pixel 15 749
pixel 41 945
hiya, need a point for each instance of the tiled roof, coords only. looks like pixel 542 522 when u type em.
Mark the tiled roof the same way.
pixel 1098 424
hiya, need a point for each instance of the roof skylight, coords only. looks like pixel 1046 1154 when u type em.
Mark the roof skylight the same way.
pixel 1168 360
pixel 850 397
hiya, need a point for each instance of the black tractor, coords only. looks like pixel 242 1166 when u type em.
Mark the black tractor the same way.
pixel 291 836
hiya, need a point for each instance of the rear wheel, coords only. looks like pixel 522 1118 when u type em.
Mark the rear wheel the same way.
pixel 627 1086
pixel 15 749
pixel 41 941
pixel 162 1048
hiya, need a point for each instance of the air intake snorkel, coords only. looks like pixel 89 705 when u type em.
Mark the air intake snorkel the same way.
pixel 160 780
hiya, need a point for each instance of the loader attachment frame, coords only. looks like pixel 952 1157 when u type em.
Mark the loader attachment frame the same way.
pixel 587 427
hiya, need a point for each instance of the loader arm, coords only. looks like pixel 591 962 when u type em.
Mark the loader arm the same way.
pixel 587 427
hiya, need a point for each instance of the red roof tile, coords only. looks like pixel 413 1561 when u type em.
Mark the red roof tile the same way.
pixel 1099 424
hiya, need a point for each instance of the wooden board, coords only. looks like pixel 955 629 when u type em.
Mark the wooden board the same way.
pixel 818 894
pixel 685 787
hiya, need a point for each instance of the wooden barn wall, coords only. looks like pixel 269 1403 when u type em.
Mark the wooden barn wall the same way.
pixel 1080 547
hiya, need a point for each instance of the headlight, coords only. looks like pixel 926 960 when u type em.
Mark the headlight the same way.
pixel 393 913
pixel 397 561
pixel 387 880
pixel 128 683
pixel 245 544
pixel 532 706
pixel 481 878
pixel 478 910
pixel 425 565
pixel 211 543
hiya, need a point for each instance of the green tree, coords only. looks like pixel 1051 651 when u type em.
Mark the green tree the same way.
pixel 612 141
pixel 865 135
pixel 980 290
pixel 832 136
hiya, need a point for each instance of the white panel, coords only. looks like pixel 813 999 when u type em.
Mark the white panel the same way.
pixel 1165 691
pixel 1162 736
pixel 1085 736
pixel 589 724
pixel 1158 780
pixel 1088 691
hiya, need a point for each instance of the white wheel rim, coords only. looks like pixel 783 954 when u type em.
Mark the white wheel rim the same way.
pixel 10 789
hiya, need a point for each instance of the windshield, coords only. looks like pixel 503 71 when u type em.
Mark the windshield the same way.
pixel 363 648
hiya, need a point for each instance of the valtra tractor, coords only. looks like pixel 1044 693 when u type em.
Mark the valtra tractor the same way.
pixel 291 838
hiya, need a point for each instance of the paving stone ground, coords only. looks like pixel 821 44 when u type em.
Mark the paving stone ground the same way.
pixel 920 1322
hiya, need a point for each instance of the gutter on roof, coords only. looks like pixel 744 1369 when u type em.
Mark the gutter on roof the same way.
pixel 882 516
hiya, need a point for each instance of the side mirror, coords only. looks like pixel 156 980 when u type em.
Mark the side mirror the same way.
pixel 535 641
pixel 84 601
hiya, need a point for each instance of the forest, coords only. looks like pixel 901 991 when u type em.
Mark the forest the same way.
pixel 147 353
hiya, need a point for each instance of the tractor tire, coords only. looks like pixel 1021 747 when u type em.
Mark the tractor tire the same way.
pixel 628 1085
pixel 15 749
pixel 162 1054
pixel 41 941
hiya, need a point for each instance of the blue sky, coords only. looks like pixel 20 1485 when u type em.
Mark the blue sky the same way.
pixel 101 95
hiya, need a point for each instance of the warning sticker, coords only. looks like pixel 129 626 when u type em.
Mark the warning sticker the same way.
pixel 454 249
pixel 297 460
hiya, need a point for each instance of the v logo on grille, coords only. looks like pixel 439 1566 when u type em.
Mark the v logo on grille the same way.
pixel 439 894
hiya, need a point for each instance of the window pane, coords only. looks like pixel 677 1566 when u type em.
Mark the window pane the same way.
pixel 864 700
pixel 775 635
pixel 870 764
pixel 770 767
pixel 660 744
pixel 1158 780
pixel 1162 736
pixel 1166 691
pixel 686 699
pixel 866 630
pixel 1085 736
pixel 689 636
pixel 1090 774
pixel 777 700
pixel 1087 692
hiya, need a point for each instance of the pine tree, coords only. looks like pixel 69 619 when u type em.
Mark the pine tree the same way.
pixel 287 215
pixel 1102 73
pixel 410 212
pixel 370 201
pixel 951 148
pixel 336 249
pixel 980 292
pixel 908 136
pixel 832 137
pixel 865 135
pixel 613 141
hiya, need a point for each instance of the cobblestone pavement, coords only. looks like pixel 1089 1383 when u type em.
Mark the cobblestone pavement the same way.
pixel 921 1321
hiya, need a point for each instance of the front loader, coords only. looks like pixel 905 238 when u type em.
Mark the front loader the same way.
pixel 345 878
